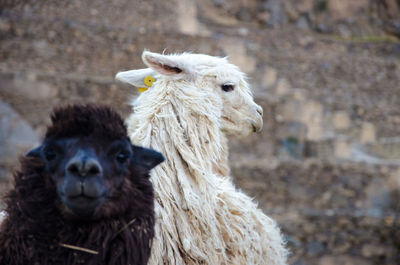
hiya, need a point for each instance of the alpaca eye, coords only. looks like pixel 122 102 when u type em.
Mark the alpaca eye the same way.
pixel 122 157
pixel 50 155
pixel 227 87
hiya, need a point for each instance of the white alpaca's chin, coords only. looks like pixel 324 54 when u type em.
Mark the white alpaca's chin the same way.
pixel 239 129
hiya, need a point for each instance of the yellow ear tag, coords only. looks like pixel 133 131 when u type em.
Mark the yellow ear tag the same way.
pixel 142 89
pixel 148 81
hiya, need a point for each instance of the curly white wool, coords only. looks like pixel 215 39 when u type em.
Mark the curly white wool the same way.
pixel 201 217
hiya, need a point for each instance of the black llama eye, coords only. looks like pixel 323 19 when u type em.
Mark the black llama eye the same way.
pixel 122 157
pixel 228 87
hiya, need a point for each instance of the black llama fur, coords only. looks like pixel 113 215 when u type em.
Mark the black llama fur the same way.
pixel 40 229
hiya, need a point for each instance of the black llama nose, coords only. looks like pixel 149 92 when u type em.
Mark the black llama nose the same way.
pixel 84 165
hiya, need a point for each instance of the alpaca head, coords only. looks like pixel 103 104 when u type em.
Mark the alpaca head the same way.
pixel 208 83
pixel 88 157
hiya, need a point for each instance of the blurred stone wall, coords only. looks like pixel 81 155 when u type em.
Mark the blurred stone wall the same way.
pixel 341 17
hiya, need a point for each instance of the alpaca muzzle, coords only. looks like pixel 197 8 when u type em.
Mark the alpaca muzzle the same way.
pixel 258 122
pixel 83 188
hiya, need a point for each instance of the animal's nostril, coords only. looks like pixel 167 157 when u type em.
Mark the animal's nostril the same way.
pixel 260 110
pixel 93 168
pixel 84 167
pixel 73 168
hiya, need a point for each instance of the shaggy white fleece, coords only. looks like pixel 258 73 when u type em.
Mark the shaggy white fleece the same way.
pixel 201 217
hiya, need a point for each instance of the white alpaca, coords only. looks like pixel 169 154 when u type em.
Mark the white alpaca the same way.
pixel 201 217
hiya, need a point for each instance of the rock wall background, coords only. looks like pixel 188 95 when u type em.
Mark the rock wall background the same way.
pixel 327 74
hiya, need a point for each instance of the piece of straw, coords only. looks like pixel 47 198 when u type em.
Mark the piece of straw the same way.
pixel 125 226
pixel 79 249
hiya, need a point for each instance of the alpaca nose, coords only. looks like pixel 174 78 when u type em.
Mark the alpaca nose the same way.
pixel 257 123
pixel 84 165
pixel 259 109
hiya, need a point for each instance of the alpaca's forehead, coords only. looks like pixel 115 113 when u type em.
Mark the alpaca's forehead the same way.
pixel 218 66
pixel 207 65
pixel 201 59
pixel 225 73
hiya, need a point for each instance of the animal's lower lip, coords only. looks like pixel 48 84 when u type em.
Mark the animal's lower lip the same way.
pixel 256 127
pixel 82 205
pixel 82 200
pixel 85 201
pixel 84 196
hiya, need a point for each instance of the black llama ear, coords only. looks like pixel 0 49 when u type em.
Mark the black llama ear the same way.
pixel 146 158
pixel 34 152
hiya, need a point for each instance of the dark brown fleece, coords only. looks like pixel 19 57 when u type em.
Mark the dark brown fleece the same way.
pixel 36 226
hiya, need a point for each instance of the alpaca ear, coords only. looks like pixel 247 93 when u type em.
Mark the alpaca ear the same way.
pixel 135 77
pixel 34 152
pixel 163 64
pixel 146 158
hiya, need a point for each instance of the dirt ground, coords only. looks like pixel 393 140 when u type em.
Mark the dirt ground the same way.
pixel 327 74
